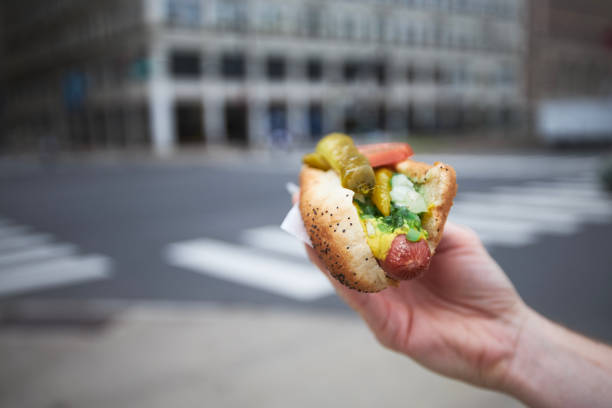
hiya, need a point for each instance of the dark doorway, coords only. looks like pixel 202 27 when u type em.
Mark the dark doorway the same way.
pixel 278 125
pixel 236 123
pixel 189 123
pixel 315 120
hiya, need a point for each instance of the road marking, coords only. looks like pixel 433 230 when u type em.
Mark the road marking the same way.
pixel 33 261
pixel 12 230
pixel 53 273
pixel 36 254
pixel 14 243
pixel 507 216
pixel 525 202
pixel 553 222
pixel 296 280
pixel 558 191
pixel 516 215
pixel 272 238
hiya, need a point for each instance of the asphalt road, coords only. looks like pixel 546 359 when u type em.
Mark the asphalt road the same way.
pixel 130 212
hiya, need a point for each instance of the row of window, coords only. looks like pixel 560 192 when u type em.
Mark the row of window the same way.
pixel 191 12
pixel 324 22
pixel 184 64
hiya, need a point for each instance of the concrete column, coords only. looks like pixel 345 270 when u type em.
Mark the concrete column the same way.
pixel 161 117
pixel 214 121
pixel 259 124
pixel 161 106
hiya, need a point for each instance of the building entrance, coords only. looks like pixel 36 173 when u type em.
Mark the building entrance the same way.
pixel 189 123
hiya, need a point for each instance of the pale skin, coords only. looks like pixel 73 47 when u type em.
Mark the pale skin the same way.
pixel 465 320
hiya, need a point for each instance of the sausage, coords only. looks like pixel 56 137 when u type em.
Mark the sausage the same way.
pixel 406 260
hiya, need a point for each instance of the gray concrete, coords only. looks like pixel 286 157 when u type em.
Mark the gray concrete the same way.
pixel 218 357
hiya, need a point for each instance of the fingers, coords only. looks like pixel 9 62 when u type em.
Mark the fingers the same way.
pixel 456 236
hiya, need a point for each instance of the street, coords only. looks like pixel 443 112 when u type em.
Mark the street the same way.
pixel 144 283
pixel 207 231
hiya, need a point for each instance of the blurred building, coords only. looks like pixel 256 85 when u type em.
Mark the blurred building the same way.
pixel 168 72
pixel 570 69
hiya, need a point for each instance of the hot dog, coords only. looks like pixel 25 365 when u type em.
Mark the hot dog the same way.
pixel 373 226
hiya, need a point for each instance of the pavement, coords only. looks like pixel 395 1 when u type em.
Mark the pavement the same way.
pixel 114 290
pixel 192 356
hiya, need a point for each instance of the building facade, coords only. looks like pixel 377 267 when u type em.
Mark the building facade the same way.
pixel 259 72
pixel 569 70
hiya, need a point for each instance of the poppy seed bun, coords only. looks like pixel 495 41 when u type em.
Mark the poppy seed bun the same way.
pixel 439 189
pixel 333 225
pixel 336 234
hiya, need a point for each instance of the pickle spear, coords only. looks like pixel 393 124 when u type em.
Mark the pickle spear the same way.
pixel 316 160
pixel 381 196
pixel 353 168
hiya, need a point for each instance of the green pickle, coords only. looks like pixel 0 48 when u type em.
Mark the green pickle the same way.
pixel 316 160
pixel 353 168
pixel 381 196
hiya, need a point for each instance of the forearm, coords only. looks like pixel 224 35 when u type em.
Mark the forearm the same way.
pixel 554 367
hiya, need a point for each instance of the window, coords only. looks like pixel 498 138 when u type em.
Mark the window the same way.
pixel 276 68
pixel 350 71
pixel 186 13
pixel 185 64
pixel 410 73
pixel 271 18
pixel 349 28
pixel 380 72
pixel 315 120
pixel 278 121
pixel 314 70
pixel 233 66
pixel 232 15
pixel 313 21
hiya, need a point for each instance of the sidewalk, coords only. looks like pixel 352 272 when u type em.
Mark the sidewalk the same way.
pixel 211 356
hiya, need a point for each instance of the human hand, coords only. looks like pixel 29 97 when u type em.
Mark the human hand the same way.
pixel 463 318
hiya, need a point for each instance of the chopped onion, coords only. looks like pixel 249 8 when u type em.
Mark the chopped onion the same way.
pixel 403 194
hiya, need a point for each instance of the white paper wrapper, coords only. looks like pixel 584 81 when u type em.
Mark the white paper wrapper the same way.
pixel 294 225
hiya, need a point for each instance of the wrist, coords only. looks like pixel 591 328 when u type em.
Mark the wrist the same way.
pixel 550 368
pixel 522 369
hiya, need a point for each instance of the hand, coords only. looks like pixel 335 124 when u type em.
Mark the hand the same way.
pixel 463 318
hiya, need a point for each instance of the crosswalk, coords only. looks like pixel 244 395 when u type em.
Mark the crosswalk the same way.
pixel 32 260
pixel 514 216
pixel 269 259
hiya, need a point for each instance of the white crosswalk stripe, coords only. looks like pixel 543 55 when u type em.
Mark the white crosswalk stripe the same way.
pixel 293 279
pixel 52 273
pixel 7 231
pixel 17 242
pixel 509 216
pixel 33 261
pixel 36 254
pixel 272 238
pixel 520 215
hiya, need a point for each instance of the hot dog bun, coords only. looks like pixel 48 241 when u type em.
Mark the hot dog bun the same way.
pixel 335 231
